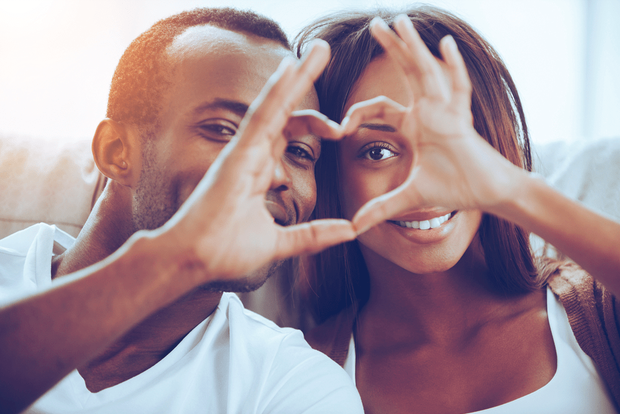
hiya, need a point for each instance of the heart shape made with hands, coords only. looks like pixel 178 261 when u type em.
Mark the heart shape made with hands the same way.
pixel 433 168
pixel 451 164
pixel 241 226
pixel 443 148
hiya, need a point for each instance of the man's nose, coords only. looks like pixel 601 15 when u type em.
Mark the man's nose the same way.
pixel 281 179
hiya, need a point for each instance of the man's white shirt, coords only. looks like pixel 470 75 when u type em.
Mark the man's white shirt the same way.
pixel 235 361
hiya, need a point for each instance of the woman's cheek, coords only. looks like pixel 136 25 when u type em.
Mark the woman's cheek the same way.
pixel 359 186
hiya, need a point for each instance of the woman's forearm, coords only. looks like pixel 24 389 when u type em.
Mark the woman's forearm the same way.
pixel 589 239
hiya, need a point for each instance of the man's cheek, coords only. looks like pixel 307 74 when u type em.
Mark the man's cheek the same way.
pixel 306 195
pixel 186 184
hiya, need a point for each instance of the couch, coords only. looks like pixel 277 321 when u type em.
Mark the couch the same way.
pixel 58 183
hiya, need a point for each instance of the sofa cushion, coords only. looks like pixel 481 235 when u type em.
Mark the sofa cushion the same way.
pixel 588 171
pixel 46 181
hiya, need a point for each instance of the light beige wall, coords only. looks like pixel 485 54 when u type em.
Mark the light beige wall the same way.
pixel 57 56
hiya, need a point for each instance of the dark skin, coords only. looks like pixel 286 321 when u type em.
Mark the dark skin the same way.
pixel 151 340
pixel 435 336
pixel 123 297
pixel 458 336
pixel 195 127
pixel 431 309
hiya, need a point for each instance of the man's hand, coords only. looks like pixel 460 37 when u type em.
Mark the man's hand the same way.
pixel 222 231
pixel 224 223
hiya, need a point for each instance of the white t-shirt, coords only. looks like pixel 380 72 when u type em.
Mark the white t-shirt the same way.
pixel 235 361
pixel 575 388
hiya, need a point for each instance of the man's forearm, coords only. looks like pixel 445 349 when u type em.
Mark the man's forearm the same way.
pixel 45 336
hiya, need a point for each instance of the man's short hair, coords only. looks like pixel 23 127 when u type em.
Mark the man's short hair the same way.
pixel 143 72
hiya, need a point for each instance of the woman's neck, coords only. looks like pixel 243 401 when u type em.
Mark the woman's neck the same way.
pixel 443 307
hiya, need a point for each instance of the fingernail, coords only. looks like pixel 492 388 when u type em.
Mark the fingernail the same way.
pixel 378 21
pixel 320 43
pixel 451 43
pixel 287 61
pixel 333 124
pixel 361 230
pixel 404 19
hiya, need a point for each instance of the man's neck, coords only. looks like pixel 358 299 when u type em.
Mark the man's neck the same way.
pixel 107 228
pixel 150 341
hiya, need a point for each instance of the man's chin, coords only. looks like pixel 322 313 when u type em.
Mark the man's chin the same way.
pixel 247 284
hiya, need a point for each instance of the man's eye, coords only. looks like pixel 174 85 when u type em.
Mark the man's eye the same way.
pixel 378 153
pixel 300 152
pixel 217 131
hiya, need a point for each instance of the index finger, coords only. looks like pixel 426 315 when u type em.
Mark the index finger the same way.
pixel 405 46
pixel 270 111
pixel 309 121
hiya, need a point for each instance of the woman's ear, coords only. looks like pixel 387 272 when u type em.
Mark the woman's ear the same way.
pixel 114 150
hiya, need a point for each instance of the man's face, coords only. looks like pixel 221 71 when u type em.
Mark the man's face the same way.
pixel 217 75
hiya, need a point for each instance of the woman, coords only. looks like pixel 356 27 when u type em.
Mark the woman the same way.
pixel 441 306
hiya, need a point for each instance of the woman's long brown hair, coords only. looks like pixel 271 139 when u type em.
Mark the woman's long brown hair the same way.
pixel 337 277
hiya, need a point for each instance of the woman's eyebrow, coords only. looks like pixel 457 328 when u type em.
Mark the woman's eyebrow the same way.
pixel 378 127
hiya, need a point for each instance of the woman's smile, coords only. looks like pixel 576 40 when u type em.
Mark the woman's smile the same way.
pixel 424 224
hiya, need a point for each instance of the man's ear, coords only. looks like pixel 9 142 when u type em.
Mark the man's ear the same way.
pixel 116 152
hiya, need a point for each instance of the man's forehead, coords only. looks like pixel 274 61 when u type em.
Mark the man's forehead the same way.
pixel 224 64
pixel 212 39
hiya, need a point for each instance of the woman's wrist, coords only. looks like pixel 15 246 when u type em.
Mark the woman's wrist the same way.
pixel 519 198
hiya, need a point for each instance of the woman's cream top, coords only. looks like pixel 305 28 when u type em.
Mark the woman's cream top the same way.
pixel 576 386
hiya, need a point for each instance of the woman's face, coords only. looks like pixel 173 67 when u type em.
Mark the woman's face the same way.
pixel 377 159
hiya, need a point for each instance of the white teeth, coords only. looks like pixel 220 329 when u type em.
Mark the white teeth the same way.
pixel 425 224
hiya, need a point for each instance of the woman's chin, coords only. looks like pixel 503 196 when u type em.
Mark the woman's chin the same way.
pixel 431 265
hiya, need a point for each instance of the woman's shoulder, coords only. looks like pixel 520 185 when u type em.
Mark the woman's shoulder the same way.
pixel 568 278
pixel 332 336
pixel 585 300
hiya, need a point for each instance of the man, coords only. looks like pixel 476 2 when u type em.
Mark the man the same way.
pixel 135 303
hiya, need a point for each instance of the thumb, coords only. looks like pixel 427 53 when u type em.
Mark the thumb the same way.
pixel 386 206
pixel 312 237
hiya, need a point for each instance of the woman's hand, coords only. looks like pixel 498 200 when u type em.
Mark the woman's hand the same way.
pixel 452 166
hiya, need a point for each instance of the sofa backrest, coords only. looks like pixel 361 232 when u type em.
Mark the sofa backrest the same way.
pixel 46 181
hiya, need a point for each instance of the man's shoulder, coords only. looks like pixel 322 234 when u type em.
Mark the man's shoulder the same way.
pixel 282 361
pixel 25 259
pixel 247 325
pixel 250 329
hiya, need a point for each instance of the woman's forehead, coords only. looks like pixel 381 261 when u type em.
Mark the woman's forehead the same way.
pixel 380 78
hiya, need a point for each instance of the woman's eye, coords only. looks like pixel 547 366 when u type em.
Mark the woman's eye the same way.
pixel 378 154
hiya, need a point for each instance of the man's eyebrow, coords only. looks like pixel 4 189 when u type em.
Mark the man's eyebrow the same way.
pixel 379 127
pixel 237 107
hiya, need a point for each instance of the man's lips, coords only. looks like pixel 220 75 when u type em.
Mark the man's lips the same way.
pixel 278 212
